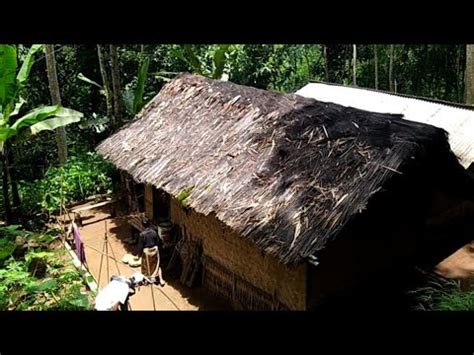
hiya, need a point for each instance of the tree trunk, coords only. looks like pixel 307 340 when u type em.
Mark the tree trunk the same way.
pixel 114 63
pixel 376 63
pixel 308 66
pixel 458 71
pixel 390 69
pixel 106 83
pixel 354 64
pixel 326 63
pixel 6 196
pixel 12 175
pixel 56 100
pixel 469 75
pixel 295 66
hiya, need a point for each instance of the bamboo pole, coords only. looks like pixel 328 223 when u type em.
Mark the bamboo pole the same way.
pixel 107 251
pixel 101 260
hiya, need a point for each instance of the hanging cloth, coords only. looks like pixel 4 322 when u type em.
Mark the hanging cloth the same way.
pixel 79 245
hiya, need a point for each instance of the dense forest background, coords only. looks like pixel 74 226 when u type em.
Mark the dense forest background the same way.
pixel 57 102
pixel 110 84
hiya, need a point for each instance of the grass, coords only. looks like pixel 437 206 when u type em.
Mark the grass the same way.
pixel 442 295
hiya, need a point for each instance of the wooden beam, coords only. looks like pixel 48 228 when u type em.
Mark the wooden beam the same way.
pixel 91 207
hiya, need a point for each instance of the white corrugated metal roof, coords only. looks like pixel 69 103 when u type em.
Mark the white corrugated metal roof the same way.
pixel 458 122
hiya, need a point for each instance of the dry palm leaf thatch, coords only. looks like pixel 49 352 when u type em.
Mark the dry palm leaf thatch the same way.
pixel 284 171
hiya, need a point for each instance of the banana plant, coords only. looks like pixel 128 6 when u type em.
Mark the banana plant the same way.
pixel 140 88
pixel 37 120
pixel 132 96
pixel 199 66
pixel 12 82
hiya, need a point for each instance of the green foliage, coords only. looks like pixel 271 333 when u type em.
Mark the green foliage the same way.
pixel 134 92
pixel 59 289
pixel 183 195
pixel 42 255
pixel 62 117
pixel 97 123
pixel 25 69
pixel 8 65
pixel 457 301
pixel 11 85
pixel 40 119
pixel 219 61
pixel 82 77
pixel 211 62
pixel 6 249
pixel 426 70
pixel 442 295
pixel 74 299
pixel 7 240
pixel 192 59
pixel 140 89
pixel 11 231
pixel 46 285
pixel 83 176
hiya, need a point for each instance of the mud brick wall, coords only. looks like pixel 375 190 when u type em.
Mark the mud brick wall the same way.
pixel 243 258
pixel 149 201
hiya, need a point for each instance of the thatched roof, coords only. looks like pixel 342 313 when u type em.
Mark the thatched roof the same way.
pixel 456 119
pixel 286 172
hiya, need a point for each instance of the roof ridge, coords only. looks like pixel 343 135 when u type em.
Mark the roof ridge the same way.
pixel 407 96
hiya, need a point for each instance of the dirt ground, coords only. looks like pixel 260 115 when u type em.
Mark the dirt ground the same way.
pixel 172 297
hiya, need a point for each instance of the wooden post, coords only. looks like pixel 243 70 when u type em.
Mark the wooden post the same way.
pixel 376 65
pixel 469 75
pixel 149 202
pixel 107 251
pixel 61 138
pixel 390 69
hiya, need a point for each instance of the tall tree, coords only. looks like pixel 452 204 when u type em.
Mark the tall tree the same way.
pixel 458 75
pixel 469 75
pixel 390 69
pixel 376 68
pixel 105 81
pixel 354 64
pixel 13 177
pixel 326 63
pixel 117 90
pixel 61 139
pixel 13 129
pixel 5 187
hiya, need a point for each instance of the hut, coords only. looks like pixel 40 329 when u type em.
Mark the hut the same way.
pixel 457 119
pixel 292 200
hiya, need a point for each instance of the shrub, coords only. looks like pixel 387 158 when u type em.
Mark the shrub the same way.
pixel 84 175
pixel 21 289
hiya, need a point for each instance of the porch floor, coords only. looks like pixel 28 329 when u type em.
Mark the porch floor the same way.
pixel 173 296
